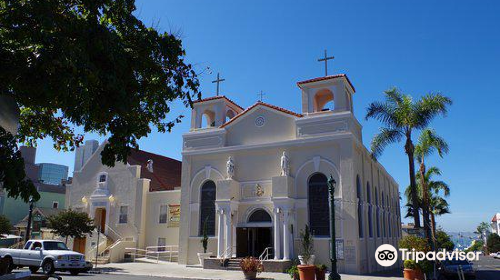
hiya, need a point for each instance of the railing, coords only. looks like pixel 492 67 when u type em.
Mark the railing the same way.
pixel 265 255
pixel 156 252
pixel 227 254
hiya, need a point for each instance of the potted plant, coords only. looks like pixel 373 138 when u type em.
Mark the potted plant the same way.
pixel 307 257
pixel 413 270
pixel 251 267
pixel 306 267
pixel 409 270
pixel 320 271
pixel 293 271
pixel 204 242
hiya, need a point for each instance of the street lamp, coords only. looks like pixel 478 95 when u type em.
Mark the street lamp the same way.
pixel 334 275
pixel 30 215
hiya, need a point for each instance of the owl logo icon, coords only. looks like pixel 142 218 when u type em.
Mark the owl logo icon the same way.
pixel 386 255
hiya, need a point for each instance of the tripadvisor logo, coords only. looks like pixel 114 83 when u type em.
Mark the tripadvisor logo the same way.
pixel 387 255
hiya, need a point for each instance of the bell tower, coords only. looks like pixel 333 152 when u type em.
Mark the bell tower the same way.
pixel 326 94
pixel 213 112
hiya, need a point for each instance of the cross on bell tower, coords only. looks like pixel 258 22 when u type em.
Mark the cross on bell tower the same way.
pixel 261 95
pixel 218 80
pixel 325 59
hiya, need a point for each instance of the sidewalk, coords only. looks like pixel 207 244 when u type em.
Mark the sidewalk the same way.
pixel 173 270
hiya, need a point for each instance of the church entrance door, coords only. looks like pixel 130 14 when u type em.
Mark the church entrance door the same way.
pixel 252 241
pixel 100 219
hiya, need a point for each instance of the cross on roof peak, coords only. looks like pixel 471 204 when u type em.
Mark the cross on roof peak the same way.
pixel 325 59
pixel 218 80
pixel 261 95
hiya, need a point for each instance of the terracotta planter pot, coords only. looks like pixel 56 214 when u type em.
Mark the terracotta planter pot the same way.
pixel 419 275
pixel 250 275
pixel 409 274
pixel 307 272
pixel 320 274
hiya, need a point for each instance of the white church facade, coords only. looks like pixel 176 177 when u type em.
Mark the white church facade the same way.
pixel 257 176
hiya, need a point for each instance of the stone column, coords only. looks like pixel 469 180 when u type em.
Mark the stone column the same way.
pixel 220 235
pixel 229 234
pixel 235 217
pixel 286 236
pixel 277 241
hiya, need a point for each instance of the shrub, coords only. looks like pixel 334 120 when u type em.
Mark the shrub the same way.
pixel 414 242
pixel 321 267
pixel 493 243
pixel 251 264
pixel 410 264
pixel 307 243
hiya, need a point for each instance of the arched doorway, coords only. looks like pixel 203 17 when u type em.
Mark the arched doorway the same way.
pixel 254 238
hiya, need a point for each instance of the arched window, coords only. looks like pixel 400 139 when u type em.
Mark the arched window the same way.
pixel 378 212
pixel 208 119
pixel 319 212
pixel 259 216
pixel 383 216
pixel 229 115
pixel 323 98
pixel 207 208
pixel 389 216
pixel 360 207
pixel 369 201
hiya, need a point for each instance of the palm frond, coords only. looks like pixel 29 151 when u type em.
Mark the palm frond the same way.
pixel 428 107
pixel 385 137
pixel 428 142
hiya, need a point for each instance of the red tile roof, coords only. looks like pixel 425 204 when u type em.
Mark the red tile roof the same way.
pixel 218 97
pixel 166 173
pixel 262 104
pixel 326 78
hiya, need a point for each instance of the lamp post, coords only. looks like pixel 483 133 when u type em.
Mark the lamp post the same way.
pixel 334 275
pixel 30 216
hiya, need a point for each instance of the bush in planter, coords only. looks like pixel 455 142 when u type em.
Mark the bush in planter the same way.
pixel 410 264
pixel 307 245
pixel 293 271
pixel 251 267
pixel 320 271
pixel 204 239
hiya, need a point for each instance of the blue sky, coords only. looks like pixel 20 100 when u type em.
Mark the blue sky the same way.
pixel 452 47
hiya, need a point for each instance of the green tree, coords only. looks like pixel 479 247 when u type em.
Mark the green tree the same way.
pixel 91 64
pixel 437 190
pixel 477 245
pixel 482 229
pixel 70 223
pixel 428 143
pixel 443 241
pixel 5 225
pixel 401 116
pixel 493 243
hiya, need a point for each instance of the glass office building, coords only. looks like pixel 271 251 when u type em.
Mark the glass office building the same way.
pixel 52 174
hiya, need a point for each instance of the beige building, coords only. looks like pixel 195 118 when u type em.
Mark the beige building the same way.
pixel 134 205
pixel 257 176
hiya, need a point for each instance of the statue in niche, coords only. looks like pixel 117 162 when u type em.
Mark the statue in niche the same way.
pixel 285 165
pixel 230 168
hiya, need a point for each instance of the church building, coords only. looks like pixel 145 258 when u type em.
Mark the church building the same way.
pixel 255 177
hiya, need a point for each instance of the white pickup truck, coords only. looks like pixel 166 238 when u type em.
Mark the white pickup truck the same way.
pixel 50 255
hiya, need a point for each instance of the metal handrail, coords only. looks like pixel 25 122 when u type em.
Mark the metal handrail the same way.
pixel 265 255
pixel 226 252
pixel 169 249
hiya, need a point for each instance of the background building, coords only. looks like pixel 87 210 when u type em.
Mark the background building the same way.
pixel 495 224
pixel 51 173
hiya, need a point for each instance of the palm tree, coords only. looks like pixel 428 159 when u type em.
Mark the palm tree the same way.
pixel 401 116
pixel 428 143
pixel 437 204
pixel 482 229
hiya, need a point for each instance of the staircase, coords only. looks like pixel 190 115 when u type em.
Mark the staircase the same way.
pixel 103 257
pixel 233 264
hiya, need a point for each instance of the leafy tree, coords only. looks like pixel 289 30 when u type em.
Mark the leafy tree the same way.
pixel 5 225
pixel 12 173
pixel 443 241
pixel 482 229
pixel 493 243
pixel 401 116
pixel 91 64
pixel 437 190
pixel 70 223
pixel 428 143
pixel 477 245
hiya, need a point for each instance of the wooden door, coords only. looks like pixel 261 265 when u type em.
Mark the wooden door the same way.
pixel 79 245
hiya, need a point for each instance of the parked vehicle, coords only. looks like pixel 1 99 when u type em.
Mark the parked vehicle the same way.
pixel 497 255
pixel 450 268
pixel 50 255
